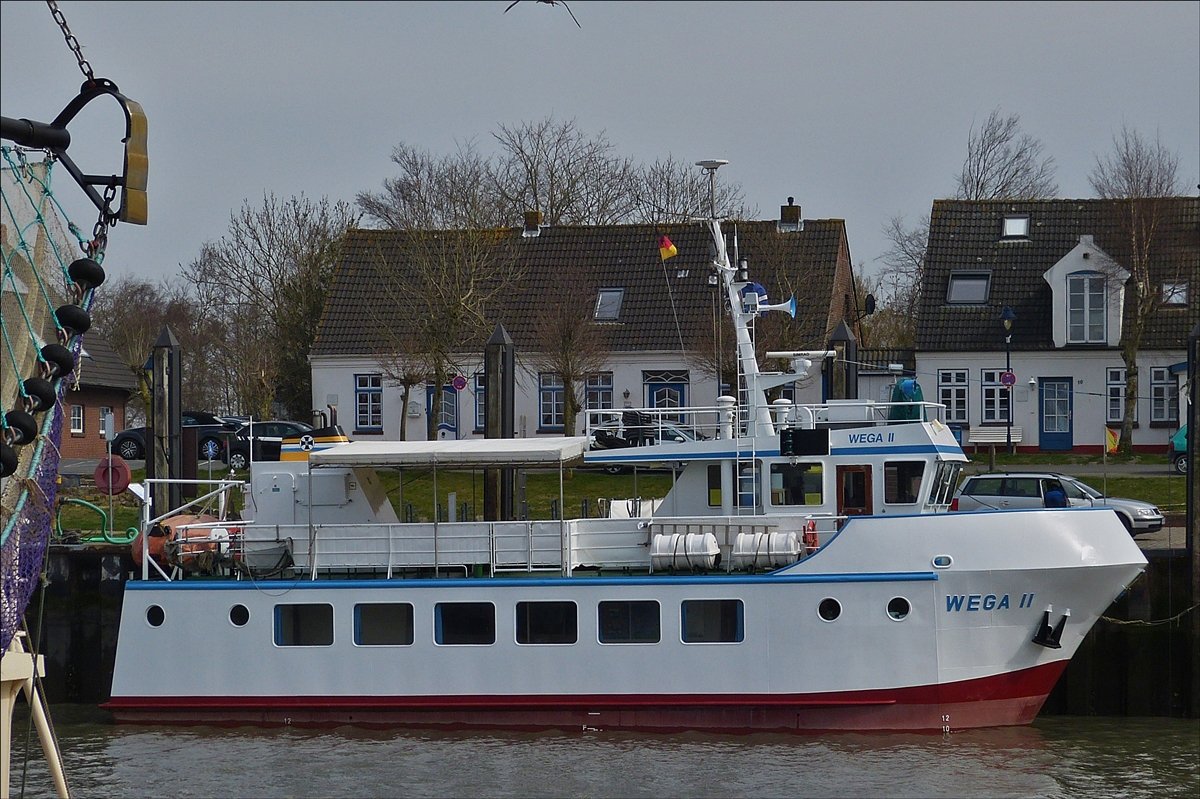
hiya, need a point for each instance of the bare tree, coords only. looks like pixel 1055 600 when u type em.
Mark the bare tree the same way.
pixel 1005 164
pixel 268 277
pixel 900 281
pixel 1139 175
pixel 566 339
pixel 676 191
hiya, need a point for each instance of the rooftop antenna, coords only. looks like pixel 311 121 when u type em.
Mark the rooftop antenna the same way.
pixel 712 165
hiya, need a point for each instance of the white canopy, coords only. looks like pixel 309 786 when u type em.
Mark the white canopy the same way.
pixel 465 454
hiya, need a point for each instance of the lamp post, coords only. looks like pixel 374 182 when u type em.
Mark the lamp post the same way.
pixel 1007 317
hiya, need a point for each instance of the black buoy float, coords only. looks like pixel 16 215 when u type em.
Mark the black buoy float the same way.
pixel 73 319
pixel 59 360
pixel 22 427
pixel 39 394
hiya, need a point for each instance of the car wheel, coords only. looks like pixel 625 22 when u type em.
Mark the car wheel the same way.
pixel 237 460
pixel 614 469
pixel 1180 463
pixel 210 449
pixel 129 450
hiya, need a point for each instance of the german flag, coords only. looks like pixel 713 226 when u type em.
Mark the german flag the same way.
pixel 666 249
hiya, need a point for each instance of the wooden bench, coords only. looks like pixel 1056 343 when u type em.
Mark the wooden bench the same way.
pixel 991 436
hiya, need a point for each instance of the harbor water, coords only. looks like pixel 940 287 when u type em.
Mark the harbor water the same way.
pixel 1056 757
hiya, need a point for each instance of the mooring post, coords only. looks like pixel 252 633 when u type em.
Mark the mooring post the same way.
pixel 164 453
pixel 499 387
pixel 1193 497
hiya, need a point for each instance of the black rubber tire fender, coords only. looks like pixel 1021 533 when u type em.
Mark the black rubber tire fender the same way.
pixel 8 460
pixel 59 360
pixel 40 395
pixel 86 273
pixel 22 427
pixel 73 319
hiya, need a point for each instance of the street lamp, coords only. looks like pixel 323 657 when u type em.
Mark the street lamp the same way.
pixel 1007 317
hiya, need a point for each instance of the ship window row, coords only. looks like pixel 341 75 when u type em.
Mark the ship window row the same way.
pixel 702 621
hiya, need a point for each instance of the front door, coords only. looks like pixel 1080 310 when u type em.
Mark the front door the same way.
pixel 1054 414
pixel 854 491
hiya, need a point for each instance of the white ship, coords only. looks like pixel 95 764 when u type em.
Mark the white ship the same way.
pixel 803 573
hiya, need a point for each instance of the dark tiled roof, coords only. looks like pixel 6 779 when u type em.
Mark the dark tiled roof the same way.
pixel 616 256
pixel 103 368
pixel 965 235
pixel 871 359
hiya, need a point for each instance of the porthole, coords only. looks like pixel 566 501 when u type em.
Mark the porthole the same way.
pixel 829 609
pixel 239 615
pixel 942 562
pixel 898 608
pixel 155 616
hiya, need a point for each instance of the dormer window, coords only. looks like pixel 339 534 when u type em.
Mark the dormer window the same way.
pixel 968 288
pixel 1015 227
pixel 608 305
pixel 1086 306
pixel 1174 293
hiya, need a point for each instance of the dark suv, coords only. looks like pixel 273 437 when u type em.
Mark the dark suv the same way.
pixel 211 434
pixel 268 437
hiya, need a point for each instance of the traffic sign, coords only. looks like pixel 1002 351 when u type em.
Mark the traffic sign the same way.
pixel 459 382
pixel 1008 379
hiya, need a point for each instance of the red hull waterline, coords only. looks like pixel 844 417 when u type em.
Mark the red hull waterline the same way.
pixel 998 701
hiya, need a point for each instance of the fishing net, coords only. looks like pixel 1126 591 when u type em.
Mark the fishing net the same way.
pixel 38 251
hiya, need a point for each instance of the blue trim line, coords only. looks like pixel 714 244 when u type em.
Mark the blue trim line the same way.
pixel 910 449
pixel 606 456
pixel 775 578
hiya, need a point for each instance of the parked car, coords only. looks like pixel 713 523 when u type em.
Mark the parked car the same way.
pixel 635 429
pixel 1179 451
pixel 268 436
pixel 211 434
pixel 1028 490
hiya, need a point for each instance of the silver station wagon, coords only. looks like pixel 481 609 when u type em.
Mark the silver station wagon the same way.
pixel 1028 490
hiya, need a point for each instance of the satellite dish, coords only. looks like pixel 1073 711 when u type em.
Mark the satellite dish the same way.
pixel 712 163
pixel 869 305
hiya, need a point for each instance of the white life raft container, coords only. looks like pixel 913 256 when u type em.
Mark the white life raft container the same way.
pixel 685 551
pixel 765 550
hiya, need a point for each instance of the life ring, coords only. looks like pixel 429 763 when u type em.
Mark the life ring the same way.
pixel 810 536
pixel 112 476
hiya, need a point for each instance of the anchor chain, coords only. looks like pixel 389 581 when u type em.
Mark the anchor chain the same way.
pixel 72 42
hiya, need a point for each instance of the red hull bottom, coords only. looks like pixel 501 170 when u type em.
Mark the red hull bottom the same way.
pixel 998 701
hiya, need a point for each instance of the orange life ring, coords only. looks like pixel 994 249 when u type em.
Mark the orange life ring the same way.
pixel 810 536
pixel 112 476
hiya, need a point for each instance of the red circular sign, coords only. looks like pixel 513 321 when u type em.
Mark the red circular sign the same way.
pixel 459 383
pixel 1008 379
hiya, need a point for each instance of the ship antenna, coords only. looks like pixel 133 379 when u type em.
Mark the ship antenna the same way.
pixel 712 165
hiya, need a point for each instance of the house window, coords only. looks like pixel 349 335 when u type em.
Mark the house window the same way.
pixel 446 408
pixel 1086 323
pixel 368 402
pixel 968 288
pixel 551 400
pixel 600 391
pixel 608 305
pixel 1164 398
pixel 480 403
pixel 1115 392
pixel 77 419
pixel 995 397
pixel 1015 227
pixel 952 392
pixel 107 420
pixel 1175 293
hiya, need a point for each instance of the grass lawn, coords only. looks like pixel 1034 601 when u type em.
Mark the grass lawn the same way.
pixel 1058 459
pixel 1168 492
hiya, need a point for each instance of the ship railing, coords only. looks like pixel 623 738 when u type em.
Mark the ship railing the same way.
pixel 204 503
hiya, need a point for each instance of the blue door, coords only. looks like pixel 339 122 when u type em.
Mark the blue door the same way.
pixel 1054 414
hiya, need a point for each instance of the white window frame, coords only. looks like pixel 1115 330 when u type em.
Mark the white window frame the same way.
pixel 368 401
pixel 106 410
pixel 1015 226
pixel 1092 305
pixel 608 305
pixel 552 413
pixel 995 396
pixel 1114 395
pixel 1175 293
pixel 953 393
pixel 77 419
pixel 480 402
pixel 599 393
pixel 1164 395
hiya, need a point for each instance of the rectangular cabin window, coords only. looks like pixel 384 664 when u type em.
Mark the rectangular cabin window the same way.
pixel 902 482
pixel 467 623
pixel 797 484
pixel 632 622
pixel 547 623
pixel 714 486
pixel 383 624
pixel 304 625
pixel 712 621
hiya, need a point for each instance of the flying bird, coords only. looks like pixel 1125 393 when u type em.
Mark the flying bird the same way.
pixel 562 3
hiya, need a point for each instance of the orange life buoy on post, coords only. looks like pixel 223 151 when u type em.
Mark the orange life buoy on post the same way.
pixel 810 536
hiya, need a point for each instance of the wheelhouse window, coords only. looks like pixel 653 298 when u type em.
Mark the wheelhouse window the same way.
pixel 633 622
pixel 383 624
pixel 945 480
pixel 714 486
pixel 368 402
pixel 547 623
pixel 465 623
pixel 1015 227
pixel 599 394
pixel 1164 397
pixel 712 621
pixel 1086 311
pixel 797 484
pixel 995 396
pixel 968 288
pixel 77 419
pixel 304 625
pixel 552 401
pixel 952 392
pixel 902 481
pixel 608 305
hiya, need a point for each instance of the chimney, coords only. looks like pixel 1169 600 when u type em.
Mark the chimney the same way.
pixel 789 217
pixel 533 224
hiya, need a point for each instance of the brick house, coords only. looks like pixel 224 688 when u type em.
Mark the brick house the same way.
pixel 104 387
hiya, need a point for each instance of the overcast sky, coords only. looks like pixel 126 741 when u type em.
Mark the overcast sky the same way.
pixel 859 111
